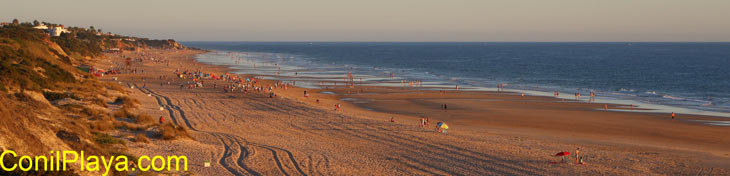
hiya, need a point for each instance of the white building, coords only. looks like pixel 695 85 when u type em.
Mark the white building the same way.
pixel 41 27
pixel 56 31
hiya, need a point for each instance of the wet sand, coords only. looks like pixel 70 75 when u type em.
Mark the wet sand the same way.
pixel 491 133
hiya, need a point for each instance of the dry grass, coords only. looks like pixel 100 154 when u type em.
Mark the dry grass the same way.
pixel 141 138
pixel 123 114
pixel 102 125
pixel 106 139
pixel 131 126
pixel 50 96
pixel 138 118
pixel 170 132
pixel 98 101
pixel 127 102
pixel 94 113
pixel 29 100
pixel 115 87
pixel 144 119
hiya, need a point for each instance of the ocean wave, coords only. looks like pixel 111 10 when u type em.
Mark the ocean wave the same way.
pixel 655 96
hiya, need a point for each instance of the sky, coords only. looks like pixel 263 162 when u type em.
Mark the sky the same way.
pixel 390 20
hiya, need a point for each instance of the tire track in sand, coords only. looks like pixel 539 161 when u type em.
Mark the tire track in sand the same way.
pixel 228 141
pixel 227 149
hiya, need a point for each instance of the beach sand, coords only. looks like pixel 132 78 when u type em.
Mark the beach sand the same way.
pixel 491 133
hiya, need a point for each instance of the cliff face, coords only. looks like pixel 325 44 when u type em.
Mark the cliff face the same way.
pixel 174 45
pixel 164 44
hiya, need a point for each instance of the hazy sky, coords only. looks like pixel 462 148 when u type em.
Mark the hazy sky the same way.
pixel 389 20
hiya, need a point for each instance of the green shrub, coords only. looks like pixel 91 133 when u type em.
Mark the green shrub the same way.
pixel 103 138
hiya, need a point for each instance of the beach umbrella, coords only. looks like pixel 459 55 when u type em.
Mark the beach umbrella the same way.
pixel 442 125
pixel 563 154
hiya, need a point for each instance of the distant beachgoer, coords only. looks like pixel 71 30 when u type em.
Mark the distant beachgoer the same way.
pixel 317 100
pixel 162 119
pixel 673 115
pixel 423 122
pixel 605 107
pixel 523 94
pixel 392 119
pixel 577 155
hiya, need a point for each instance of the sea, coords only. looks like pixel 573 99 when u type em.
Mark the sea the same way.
pixel 692 78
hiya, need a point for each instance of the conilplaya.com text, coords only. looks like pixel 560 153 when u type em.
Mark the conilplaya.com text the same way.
pixel 59 161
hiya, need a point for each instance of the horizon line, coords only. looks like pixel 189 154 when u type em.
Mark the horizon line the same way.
pixel 304 41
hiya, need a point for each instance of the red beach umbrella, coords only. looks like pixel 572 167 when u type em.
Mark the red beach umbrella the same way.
pixel 563 154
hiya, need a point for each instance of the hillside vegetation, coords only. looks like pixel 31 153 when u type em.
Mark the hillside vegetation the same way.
pixel 49 104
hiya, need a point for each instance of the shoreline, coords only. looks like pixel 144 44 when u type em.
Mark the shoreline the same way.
pixel 509 125
pixel 267 69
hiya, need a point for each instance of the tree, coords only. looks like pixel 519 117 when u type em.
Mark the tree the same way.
pixel 36 23
pixel 15 22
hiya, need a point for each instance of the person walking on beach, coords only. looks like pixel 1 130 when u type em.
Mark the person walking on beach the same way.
pixel 673 115
pixel 162 119
pixel 577 155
